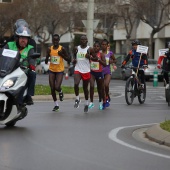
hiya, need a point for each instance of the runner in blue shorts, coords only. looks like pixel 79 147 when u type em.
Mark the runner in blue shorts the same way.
pixel 97 75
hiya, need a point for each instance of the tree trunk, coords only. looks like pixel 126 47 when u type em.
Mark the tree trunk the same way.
pixel 150 54
pixel 128 46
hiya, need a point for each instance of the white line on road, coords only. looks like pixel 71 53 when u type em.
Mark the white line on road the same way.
pixel 113 136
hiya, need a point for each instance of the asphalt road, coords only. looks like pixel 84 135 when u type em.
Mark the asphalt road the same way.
pixel 111 139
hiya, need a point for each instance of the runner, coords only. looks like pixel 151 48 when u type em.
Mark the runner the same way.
pixel 82 54
pixel 110 59
pixel 97 75
pixel 56 53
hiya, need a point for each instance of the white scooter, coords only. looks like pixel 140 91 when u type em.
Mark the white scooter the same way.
pixel 12 80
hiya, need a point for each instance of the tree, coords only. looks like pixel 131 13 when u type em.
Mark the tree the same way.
pixel 155 13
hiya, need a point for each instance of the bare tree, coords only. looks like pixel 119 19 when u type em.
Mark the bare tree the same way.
pixel 155 13
pixel 129 20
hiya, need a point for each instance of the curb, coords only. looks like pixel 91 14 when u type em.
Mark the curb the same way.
pixel 66 96
pixel 157 134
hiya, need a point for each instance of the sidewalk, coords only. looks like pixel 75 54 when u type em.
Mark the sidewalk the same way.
pixel 158 135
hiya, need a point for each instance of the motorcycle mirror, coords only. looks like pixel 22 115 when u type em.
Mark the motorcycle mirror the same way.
pixel 35 55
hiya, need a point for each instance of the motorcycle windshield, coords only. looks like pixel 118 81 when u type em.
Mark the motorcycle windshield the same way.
pixel 9 61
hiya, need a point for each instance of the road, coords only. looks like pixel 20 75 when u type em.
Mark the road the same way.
pixel 111 139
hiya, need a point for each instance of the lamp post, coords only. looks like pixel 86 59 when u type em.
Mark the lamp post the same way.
pixel 90 18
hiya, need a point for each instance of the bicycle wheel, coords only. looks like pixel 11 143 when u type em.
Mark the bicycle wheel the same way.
pixel 129 91
pixel 142 95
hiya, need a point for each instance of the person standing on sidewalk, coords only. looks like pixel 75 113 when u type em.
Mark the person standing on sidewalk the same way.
pixel 82 54
pixel 97 75
pixel 57 55
pixel 110 59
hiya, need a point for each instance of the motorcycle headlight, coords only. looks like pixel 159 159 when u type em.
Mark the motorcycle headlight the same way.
pixel 9 83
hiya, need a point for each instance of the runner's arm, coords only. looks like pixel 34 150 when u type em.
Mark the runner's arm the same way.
pixel 102 60
pixel 63 53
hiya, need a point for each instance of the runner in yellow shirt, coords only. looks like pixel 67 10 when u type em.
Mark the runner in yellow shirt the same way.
pixel 57 54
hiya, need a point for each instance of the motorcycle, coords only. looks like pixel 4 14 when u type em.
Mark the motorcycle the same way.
pixel 13 79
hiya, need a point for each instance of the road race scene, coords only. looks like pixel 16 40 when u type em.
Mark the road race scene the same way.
pixel 84 85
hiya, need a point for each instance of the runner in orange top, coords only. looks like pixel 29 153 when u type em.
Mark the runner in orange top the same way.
pixel 57 55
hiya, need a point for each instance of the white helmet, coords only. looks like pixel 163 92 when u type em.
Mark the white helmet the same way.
pixel 23 31
pixel 20 22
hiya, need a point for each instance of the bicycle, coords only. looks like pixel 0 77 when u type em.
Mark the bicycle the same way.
pixel 133 87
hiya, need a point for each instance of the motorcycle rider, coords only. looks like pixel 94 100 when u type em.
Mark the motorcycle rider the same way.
pixel 18 23
pixel 135 56
pixel 166 65
pixel 21 44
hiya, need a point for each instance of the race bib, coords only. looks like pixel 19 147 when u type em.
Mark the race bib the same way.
pixel 94 65
pixel 107 61
pixel 55 59
pixel 81 56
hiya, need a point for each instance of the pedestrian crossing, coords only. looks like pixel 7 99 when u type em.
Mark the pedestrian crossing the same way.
pixel 149 90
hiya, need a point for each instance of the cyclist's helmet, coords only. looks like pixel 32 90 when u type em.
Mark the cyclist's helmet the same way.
pixel 23 32
pixel 20 22
pixel 136 42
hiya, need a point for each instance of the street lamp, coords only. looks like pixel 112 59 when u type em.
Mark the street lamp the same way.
pixel 90 18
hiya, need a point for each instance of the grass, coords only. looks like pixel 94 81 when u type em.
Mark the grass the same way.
pixel 45 90
pixel 165 125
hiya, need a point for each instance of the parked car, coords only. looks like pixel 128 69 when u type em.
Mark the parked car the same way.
pixel 44 66
pixel 152 66
pixel 116 74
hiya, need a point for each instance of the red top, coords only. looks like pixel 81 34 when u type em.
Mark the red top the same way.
pixel 96 66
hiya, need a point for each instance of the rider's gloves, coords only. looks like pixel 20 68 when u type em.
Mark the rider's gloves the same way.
pixel 32 67
pixel 159 66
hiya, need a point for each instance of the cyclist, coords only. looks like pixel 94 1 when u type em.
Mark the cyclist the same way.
pixel 110 59
pixel 57 55
pixel 135 56
pixel 166 65
pixel 97 75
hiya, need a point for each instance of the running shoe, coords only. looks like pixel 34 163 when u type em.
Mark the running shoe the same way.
pixel 86 108
pixel 76 105
pixel 104 106
pixel 56 108
pixel 61 96
pixel 91 105
pixel 109 99
pixel 107 103
pixel 100 106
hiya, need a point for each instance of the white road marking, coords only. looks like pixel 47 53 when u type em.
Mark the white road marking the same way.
pixel 113 136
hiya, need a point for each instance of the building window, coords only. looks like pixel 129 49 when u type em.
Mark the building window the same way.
pixel 6 1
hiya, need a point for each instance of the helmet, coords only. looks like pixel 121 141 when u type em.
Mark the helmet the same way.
pixel 137 42
pixel 23 31
pixel 20 22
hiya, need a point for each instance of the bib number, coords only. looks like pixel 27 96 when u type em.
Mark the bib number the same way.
pixel 55 59
pixel 95 65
